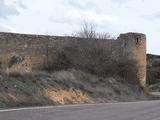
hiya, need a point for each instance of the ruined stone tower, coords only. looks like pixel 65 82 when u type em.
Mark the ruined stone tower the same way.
pixel 134 47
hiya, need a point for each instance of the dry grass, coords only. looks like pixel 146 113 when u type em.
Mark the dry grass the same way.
pixel 71 96
pixel 63 87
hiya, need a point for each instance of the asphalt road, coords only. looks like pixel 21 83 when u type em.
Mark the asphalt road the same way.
pixel 121 111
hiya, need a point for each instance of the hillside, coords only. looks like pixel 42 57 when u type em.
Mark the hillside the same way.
pixel 72 86
pixel 63 87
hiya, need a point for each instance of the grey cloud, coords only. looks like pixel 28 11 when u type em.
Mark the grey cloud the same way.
pixel 76 4
pixel 84 5
pixel 20 4
pixel 62 20
pixel 121 1
pixel 153 16
pixel 124 1
pixel 4 29
pixel 156 15
pixel 6 10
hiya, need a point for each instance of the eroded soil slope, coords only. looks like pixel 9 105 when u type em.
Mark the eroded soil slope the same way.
pixel 63 87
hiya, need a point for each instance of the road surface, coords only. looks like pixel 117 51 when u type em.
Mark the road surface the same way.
pixel 119 111
pixel 155 93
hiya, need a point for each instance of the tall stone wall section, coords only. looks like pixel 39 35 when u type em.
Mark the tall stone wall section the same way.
pixel 33 50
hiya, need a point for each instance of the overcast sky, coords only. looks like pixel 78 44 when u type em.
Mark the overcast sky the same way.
pixel 63 17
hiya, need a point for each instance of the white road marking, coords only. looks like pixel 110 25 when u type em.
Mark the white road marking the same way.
pixel 156 118
pixel 75 105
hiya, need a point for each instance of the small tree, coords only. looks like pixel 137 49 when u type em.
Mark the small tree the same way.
pixel 88 30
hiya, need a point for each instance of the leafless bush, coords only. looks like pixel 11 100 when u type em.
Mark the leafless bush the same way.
pixel 88 30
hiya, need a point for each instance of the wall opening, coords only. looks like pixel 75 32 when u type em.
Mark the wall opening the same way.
pixel 137 40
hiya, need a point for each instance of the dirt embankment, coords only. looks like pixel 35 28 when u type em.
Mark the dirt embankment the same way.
pixel 63 87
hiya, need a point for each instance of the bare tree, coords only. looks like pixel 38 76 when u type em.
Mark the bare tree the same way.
pixel 88 30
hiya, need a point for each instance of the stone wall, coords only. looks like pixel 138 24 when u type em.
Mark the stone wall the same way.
pixel 27 52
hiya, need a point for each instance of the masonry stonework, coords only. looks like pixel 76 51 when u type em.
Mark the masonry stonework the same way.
pixel 33 50
pixel 135 48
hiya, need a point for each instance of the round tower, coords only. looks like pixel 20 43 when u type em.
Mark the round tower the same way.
pixel 134 48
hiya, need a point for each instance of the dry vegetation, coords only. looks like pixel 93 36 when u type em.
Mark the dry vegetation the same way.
pixel 89 30
pixel 63 87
